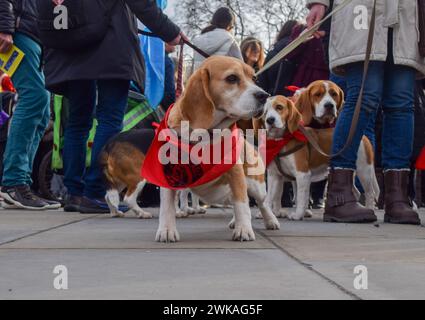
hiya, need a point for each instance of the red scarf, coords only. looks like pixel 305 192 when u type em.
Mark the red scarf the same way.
pixel 274 147
pixel 180 175
pixel 420 164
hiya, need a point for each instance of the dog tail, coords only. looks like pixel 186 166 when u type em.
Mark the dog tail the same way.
pixel 375 186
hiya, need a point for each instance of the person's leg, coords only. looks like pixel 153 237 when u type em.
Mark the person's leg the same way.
pixel 318 194
pixel 82 101
pixel 398 120
pixel 26 121
pixel 339 81
pixel 397 142
pixel 110 111
pixel 28 116
pixel 39 134
pixel 341 204
pixel 371 100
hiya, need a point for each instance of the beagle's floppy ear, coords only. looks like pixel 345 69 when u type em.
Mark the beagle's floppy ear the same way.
pixel 294 117
pixel 257 124
pixel 341 100
pixel 197 105
pixel 305 106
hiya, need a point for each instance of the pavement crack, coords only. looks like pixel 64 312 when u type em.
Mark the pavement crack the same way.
pixel 47 230
pixel 309 266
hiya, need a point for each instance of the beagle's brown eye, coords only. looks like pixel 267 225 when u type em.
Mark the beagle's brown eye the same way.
pixel 279 107
pixel 232 79
pixel 318 94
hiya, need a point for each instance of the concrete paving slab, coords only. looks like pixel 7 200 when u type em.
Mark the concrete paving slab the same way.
pixel 15 224
pixel 315 227
pixel 203 231
pixel 161 274
pixel 396 267
pixel 118 258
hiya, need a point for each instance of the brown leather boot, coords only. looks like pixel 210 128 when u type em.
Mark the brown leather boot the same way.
pixel 341 204
pixel 398 208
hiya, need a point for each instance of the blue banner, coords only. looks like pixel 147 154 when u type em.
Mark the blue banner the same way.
pixel 154 52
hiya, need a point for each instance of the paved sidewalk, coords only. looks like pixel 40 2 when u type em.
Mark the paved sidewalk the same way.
pixel 118 259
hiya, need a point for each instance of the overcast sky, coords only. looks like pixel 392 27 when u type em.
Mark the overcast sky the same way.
pixel 170 7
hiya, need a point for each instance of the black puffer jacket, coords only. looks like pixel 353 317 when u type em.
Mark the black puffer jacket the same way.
pixel 118 55
pixel 19 15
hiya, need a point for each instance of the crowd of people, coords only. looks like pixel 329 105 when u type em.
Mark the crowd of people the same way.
pixel 96 83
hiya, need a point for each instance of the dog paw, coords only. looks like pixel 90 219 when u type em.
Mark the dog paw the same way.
pixel 200 210
pixel 308 214
pixel 144 215
pixel 296 216
pixel 272 224
pixel 118 214
pixel 188 211
pixel 258 216
pixel 181 214
pixel 243 233
pixel 167 235
pixel 282 213
pixel 232 224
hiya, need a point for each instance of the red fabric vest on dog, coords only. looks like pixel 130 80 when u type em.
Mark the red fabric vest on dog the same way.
pixel 420 164
pixel 178 175
pixel 274 147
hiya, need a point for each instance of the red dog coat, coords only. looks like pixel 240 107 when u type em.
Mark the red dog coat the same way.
pixel 181 175
pixel 274 147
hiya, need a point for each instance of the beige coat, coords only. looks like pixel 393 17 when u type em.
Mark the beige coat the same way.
pixel 348 44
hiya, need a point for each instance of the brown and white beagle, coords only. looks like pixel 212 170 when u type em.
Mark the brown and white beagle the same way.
pixel 307 165
pixel 217 95
pixel 319 103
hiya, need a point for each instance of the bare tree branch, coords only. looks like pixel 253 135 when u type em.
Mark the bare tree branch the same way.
pixel 259 18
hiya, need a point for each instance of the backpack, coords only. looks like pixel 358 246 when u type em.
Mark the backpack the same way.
pixel 88 22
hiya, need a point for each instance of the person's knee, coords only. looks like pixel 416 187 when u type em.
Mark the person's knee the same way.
pixel 404 110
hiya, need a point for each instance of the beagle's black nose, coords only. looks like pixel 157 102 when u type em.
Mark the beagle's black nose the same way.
pixel 329 106
pixel 261 96
pixel 271 121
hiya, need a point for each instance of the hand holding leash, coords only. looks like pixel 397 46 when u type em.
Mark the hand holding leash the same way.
pixel 317 13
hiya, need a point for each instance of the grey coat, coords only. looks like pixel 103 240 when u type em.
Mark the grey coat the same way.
pixel 348 44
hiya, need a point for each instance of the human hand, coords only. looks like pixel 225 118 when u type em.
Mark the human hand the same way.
pixel 178 39
pixel 317 13
pixel 6 42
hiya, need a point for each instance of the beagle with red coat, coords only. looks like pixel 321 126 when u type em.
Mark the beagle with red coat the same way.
pixel 218 94
pixel 319 102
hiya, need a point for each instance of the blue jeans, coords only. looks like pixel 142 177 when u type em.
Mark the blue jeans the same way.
pixel 30 118
pixel 370 129
pixel 391 86
pixel 111 105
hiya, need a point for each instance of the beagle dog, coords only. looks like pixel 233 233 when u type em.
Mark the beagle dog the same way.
pixel 220 93
pixel 319 103
pixel 307 165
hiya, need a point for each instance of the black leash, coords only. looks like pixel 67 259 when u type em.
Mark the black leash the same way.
pixel 188 43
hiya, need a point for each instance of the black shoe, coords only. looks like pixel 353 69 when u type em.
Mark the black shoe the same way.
pixel 53 205
pixel 72 203
pixel 93 206
pixel 318 204
pixel 23 198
